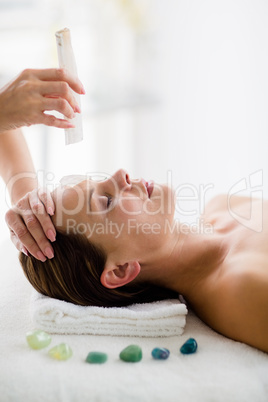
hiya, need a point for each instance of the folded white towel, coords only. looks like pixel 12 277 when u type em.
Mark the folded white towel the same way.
pixel 161 318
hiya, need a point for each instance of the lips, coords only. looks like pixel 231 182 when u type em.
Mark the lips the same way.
pixel 149 188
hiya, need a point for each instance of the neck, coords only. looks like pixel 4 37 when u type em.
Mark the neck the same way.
pixel 187 259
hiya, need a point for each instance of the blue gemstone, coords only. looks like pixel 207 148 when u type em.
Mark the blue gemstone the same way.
pixel 160 353
pixel 190 346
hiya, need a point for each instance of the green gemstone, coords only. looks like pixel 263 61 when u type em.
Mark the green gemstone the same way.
pixel 38 339
pixel 131 353
pixel 96 357
pixel 61 352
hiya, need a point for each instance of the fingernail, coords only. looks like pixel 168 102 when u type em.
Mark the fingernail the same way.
pixel 25 251
pixel 41 256
pixel 70 125
pixel 77 109
pixel 51 235
pixel 83 91
pixel 49 253
pixel 50 211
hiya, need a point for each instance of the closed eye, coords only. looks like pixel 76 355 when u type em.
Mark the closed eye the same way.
pixel 109 200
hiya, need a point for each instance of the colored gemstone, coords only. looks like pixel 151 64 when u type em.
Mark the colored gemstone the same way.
pixel 190 346
pixel 96 357
pixel 131 353
pixel 160 353
pixel 38 339
pixel 61 352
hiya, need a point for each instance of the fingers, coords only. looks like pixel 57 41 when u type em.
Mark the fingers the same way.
pixel 60 89
pixel 31 226
pixel 60 74
pixel 46 198
pixel 18 244
pixel 45 219
pixel 59 104
pixel 53 121
pixel 39 224
pixel 35 92
pixel 49 90
pixel 40 202
pixel 21 236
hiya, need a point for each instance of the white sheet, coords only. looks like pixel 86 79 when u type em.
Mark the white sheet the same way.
pixel 221 371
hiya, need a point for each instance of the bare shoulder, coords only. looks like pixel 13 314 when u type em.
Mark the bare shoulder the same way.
pixel 239 306
pixel 222 202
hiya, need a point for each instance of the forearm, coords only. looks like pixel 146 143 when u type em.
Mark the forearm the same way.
pixel 29 222
pixel 16 165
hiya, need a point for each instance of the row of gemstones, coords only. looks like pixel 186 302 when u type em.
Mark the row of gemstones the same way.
pixel 132 353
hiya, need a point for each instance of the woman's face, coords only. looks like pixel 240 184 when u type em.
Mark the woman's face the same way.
pixel 116 213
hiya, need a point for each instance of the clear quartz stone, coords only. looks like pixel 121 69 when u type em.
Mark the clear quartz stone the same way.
pixel 38 339
pixel 61 352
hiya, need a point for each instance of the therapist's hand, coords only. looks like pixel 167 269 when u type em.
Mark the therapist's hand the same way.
pixel 25 99
pixel 31 226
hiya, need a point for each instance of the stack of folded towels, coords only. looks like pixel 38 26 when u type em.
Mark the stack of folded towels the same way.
pixel 161 318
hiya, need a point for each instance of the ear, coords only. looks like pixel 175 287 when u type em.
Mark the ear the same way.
pixel 114 276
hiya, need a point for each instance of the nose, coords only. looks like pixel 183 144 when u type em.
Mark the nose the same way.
pixel 122 180
pixel 118 182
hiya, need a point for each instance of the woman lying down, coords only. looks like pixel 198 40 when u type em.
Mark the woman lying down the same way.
pixel 117 243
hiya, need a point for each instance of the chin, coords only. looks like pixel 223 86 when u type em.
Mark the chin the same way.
pixel 171 199
pixel 168 201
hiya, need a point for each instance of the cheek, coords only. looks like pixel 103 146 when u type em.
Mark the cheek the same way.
pixel 162 203
pixel 129 207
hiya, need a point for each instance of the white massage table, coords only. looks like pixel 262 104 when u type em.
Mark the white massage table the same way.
pixel 221 370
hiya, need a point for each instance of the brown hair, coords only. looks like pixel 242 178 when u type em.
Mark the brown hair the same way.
pixel 74 275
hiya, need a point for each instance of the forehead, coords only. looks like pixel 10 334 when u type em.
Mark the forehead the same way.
pixel 72 180
pixel 65 195
pixel 71 201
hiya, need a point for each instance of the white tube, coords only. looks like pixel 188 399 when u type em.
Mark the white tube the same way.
pixel 67 60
